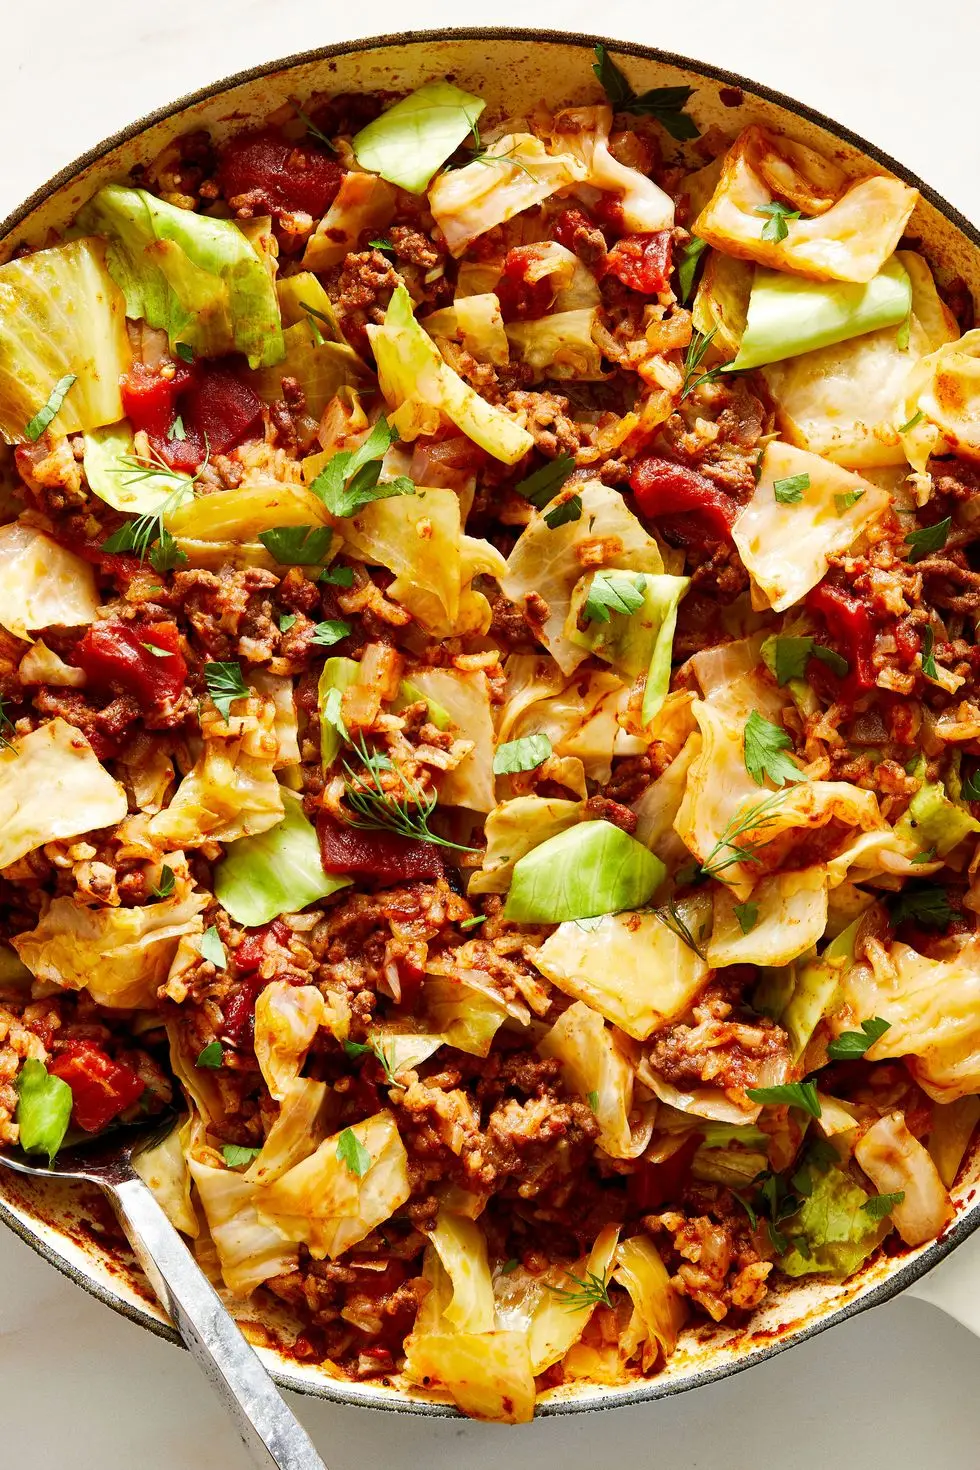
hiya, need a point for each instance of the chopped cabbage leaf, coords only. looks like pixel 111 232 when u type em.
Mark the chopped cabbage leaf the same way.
pixel 630 967
pixel 640 642
pixel 411 371
pixel 476 323
pixel 412 139
pixel 487 1374
pixel 595 1067
pixel 583 133
pixel 656 810
pixel 43 585
pixel 580 715
pixel 815 988
pixel 897 1163
pixel 163 1168
pixel 250 1250
pixel 52 787
pixel 321 369
pixel 418 538
pixel 300 1128
pixel 300 296
pixel 721 305
pixel 791 917
pixel 337 673
pixel 200 279
pixel 287 1017
pixel 363 202
pixel 546 561
pixel 928 307
pixel 464 1009
pixel 465 697
pixel 466 202
pixel 121 956
pixel 118 483
pixel 61 314
pixel 275 871
pixel 279 688
pixel 788 316
pixel 513 828
pixel 557 1323
pixel 932 823
pixel 786 546
pixel 258 504
pixel 952 1128
pixel 590 869
pixel 945 388
pixel 831 1232
pixel 559 345
pixel 462 1248
pixel 322 1202
pixel 658 1310
pixel 856 224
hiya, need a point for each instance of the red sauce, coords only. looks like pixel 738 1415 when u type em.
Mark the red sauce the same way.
pixel 383 856
pixel 279 175
pixel 116 659
pixel 101 1088
pixel 641 262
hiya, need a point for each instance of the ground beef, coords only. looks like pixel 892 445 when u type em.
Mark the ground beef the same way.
pixel 362 293
pixel 413 246
pixel 547 421
pixel 714 1255
pixel 231 611
pixel 720 1049
pixel 510 626
pixel 603 809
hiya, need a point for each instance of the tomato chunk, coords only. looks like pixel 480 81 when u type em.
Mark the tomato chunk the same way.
pixel 251 952
pixel 849 624
pixel 277 174
pixel 641 262
pixel 381 855
pixel 115 658
pixel 149 396
pixel 663 488
pixel 519 297
pixel 101 1089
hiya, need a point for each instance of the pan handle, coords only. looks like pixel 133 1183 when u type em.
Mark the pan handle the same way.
pixel 954 1285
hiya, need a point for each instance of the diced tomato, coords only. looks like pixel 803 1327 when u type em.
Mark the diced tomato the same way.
pixel 641 262
pixel 663 488
pixel 383 856
pixel 252 950
pixel 116 659
pixel 608 213
pixel 280 174
pixel 653 1185
pixel 569 225
pixel 101 1089
pixel 849 624
pixel 218 411
pixel 149 396
pixel 520 298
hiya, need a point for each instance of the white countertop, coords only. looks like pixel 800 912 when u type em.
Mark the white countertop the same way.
pixel 83 1389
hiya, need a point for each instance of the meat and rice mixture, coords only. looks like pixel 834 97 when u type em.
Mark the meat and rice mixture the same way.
pixel 491 720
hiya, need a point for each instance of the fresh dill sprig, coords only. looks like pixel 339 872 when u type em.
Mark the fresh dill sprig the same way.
pixel 6 723
pixel 381 810
pixel 479 153
pixel 147 536
pixel 670 916
pixel 758 816
pixel 314 131
pixel 590 1291
pixel 693 358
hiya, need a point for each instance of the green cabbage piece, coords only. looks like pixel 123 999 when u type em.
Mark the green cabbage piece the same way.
pixel 276 872
pixel 831 1232
pixel 199 279
pixel 61 315
pixel 934 823
pixel 43 1109
pixel 799 996
pixel 638 642
pixel 411 370
pixel 124 485
pixel 789 315
pixel 320 367
pixel 591 869
pixel 409 142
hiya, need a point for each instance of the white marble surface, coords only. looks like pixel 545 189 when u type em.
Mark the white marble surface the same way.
pixel 82 1389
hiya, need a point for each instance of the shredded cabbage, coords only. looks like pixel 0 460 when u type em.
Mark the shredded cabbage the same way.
pixel 250 1250
pixel 487 1374
pixel 791 915
pixel 595 1067
pixel 287 1017
pixel 466 202
pixel 898 1163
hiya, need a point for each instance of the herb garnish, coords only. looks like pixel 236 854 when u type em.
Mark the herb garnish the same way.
pixel 337 576
pixel 928 657
pixel 924 903
pixel 545 483
pixel 525 754
pixel 880 1206
pixel 764 747
pixel 286 621
pixel 672 918
pixel 211 1056
pixel 789 491
pixel 350 479
pixel 666 104
pixel 969 790
pixel 236 1154
pixel 225 684
pixel 211 948
pixel 687 264
pixel 590 1291
pixel 46 415
pixel 844 501
pixel 314 131
pixel 794 1094
pixel 326 634
pixel 775 228
pixel 381 810
pixel 565 511
pixel 928 539
pixel 755 819
pixel 849 1046
pixel 177 430
pixel 787 658
pixel 297 546
pixel 911 423
pixel 473 921
pixel 168 881
pixel 351 1151
pixel 693 357
pixel 747 915
pixel 6 723
pixel 611 592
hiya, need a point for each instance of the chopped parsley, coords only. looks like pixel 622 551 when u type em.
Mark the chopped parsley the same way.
pixel 236 1154
pixel 765 744
pixel 177 430
pixel 286 621
pixel 880 1206
pixel 168 881
pixel 545 483
pixel 326 634
pixel 790 490
pixel 611 592
pixel 844 501
pixel 924 903
pixel 337 576
pixel 849 1046
pixel 211 1056
pixel 747 915
pixel 928 657
pixel 212 949
pixel 297 546
pixel 51 409
pixel 928 539
pixel 775 228
pixel 801 1095
pixel 565 511
pixel 350 479
pixel 666 104
pixel 351 1151
pixel 225 684
pixel 687 265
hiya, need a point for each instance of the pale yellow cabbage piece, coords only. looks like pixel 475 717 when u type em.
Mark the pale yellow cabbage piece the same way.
pixel 721 303
pixel 945 388
pixel 302 1124
pixel 512 829
pixel 53 787
pixel 466 699
pixel 583 132
pixel 164 1169
pixel 474 321
pixel 928 307
pixel 418 537
pixel 952 1128
pixel 226 525
pixel 656 810
pixel 127 487
pixel 250 1250
pixel 857 224
pixel 547 561
pixel 792 916
pixel 658 1310
pixel 559 345
pixel 41 665
pixel 630 967
pixel 464 1009
pixel 120 956
pixel 466 202
pixel 557 1323
pixel 287 1017
pixel 897 1163
pixel 487 1374
pixel 279 688
pixel 785 547
pixel 598 1070
pixel 462 1248
pixel 321 1202
pixel 43 585
pixel 363 202
pixel 734 678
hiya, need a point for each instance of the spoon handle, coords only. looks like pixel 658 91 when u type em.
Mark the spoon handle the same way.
pixel 268 1428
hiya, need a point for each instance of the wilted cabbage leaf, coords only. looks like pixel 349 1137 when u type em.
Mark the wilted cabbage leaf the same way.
pixel 583 133
pixel 466 202
pixel 598 1070
pixel 125 486
pixel 898 1164
pixel 43 585
pixel 287 1017
pixel 413 138
pixel 557 1322
pixel 320 368
pixel 487 1374
pixel 250 1250
pixel 592 868
pixel 559 345
pixel 276 871
pixel 790 916
pixel 831 1232
pixel 164 1169
pixel 658 1310
pixel 639 642
pixel 464 1009
pixel 363 202
pixel 303 1122
pixel 465 697
pixel 52 787
pixel 462 1249
pixel 512 829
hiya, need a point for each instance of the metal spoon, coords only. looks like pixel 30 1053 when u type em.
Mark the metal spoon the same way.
pixel 269 1429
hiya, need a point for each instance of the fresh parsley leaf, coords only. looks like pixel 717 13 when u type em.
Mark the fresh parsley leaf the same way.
pixel 923 857
pixel 351 1151
pixel 747 915
pixel 928 657
pixel 911 423
pixel 846 500
pixel 286 621
pixel 925 903
pixel 790 490
pixel 177 430
pixel 166 555
pixel 970 788
pixel 337 576
pixel 879 1206
pixel 764 747
pixel 297 546
pixel 331 712
pixel 687 265
pixel 211 1056
pixel 157 651
pixel 325 635
pixel 225 684
pixel 835 661
pixel 775 227
pixel 509 1267
pixel 473 921
pixel 381 245
pixel 51 409
pixel 795 1094
pixel 787 658
pixel 521 755
pixel 545 483
pixel 167 883
pixel 184 351
pixel 212 949
pixel 611 592
pixel 593 1100
pixel 235 1155
pixel 849 1046
pixel 358 1048
pixel 664 103
pixel 350 479
pixel 928 539
pixel 563 512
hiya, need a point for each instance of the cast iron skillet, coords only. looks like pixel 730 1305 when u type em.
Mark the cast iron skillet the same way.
pixel 511 69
